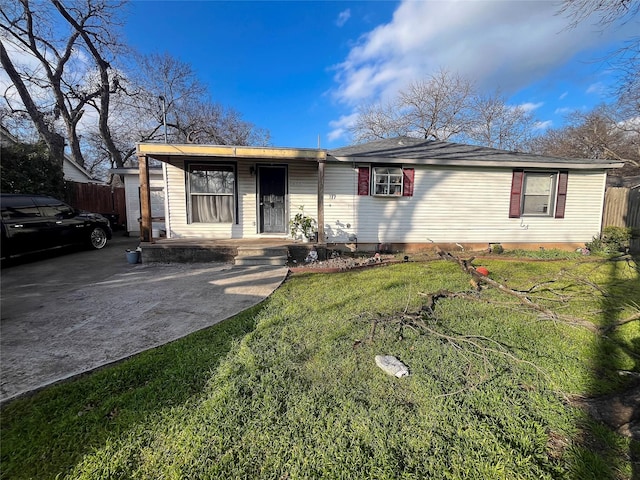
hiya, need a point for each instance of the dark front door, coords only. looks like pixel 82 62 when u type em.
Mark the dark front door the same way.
pixel 272 185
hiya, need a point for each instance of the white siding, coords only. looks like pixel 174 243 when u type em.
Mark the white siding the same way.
pixel 177 203
pixel 453 205
pixel 302 191
pixel 303 188
pixel 74 174
pixel 247 202
pixel 449 205
pixel 341 218
pixel 132 195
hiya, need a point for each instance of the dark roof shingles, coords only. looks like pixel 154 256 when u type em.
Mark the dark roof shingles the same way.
pixel 419 149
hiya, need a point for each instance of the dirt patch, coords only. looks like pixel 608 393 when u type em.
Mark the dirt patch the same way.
pixel 620 411
pixel 341 263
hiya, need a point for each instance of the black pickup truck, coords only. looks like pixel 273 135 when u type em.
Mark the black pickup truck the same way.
pixel 31 223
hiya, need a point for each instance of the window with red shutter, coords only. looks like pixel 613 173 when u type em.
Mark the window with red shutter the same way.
pixel 408 175
pixel 363 180
pixel 387 181
pixel 538 194
pixel 516 194
pixel 392 181
pixel 561 199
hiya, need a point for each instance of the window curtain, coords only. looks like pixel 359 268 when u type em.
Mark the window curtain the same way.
pixel 212 208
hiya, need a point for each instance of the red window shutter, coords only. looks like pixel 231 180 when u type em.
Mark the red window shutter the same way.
pixel 561 198
pixel 408 174
pixel 516 194
pixel 363 180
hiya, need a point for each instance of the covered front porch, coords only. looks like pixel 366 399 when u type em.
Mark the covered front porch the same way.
pixel 225 197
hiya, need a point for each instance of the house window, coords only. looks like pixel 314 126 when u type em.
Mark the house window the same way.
pixel 212 193
pixel 387 181
pixel 540 194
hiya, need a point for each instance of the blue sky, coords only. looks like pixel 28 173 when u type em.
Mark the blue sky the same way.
pixel 301 68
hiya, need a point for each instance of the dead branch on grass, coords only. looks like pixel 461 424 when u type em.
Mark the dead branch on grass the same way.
pixel 474 345
pixel 619 323
pixel 479 279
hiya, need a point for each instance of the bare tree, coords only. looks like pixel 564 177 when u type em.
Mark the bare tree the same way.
pixel 99 40
pixel 191 116
pixel 42 119
pixel 610 11
pixel 62 59
pixel 595 134
pixel 201 121
pixel 436 108
pixel 46 65
pixel 625 59
pixel 375 121
pixel 498 125
pixel 439 107
pixel 442 107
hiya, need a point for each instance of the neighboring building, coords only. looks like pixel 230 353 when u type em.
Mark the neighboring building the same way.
pixel 71 170
pixel 405 192
pixel 131 180
pixel 76 173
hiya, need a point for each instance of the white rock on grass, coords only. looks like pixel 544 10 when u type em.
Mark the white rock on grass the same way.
pixel 391 365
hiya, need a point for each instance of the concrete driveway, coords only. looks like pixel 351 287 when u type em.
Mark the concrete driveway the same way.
pixel 65 314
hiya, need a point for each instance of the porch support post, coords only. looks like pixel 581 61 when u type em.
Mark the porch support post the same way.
pixel 321 165
pixel 145 200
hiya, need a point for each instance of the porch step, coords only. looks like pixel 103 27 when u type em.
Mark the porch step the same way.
pixel 262 256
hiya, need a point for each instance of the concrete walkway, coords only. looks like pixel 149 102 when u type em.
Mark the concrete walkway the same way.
pixel 54 327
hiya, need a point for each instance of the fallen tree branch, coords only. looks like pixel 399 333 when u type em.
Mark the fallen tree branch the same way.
pixel 619 323
pixel 477 345
pixel 471 340
pixel 479 279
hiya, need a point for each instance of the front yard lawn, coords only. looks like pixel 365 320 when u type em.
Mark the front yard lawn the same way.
pixel 290 388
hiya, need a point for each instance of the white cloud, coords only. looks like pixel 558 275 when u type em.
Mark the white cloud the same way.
pixel 498 44
pixel 340 127
pixel 563 96
pixel 543 125
pixel 343 17
pixel 23 61
pixel 530 107
pixel 563 110
pixel 597 88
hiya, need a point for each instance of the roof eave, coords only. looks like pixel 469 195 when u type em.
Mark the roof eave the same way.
pixel 163 151
pixel 478 163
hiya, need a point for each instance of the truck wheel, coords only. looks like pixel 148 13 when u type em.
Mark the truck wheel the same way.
pixel 97 238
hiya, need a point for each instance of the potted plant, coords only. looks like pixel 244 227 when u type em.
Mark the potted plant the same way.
pixel 302 225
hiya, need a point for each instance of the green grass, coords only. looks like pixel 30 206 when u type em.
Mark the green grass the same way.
pixel 542 254
pixel 290 388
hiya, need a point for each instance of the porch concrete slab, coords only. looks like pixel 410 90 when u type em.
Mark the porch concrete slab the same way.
pixel 52 334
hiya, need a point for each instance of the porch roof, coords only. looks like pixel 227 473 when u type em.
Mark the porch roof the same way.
pixel 164 152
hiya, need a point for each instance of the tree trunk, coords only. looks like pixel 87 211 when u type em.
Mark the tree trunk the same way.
pixel 53 140
pixel 105 87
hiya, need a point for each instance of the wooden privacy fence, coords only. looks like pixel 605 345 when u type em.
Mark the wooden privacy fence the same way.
pixel 622 209
pixel 103 199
